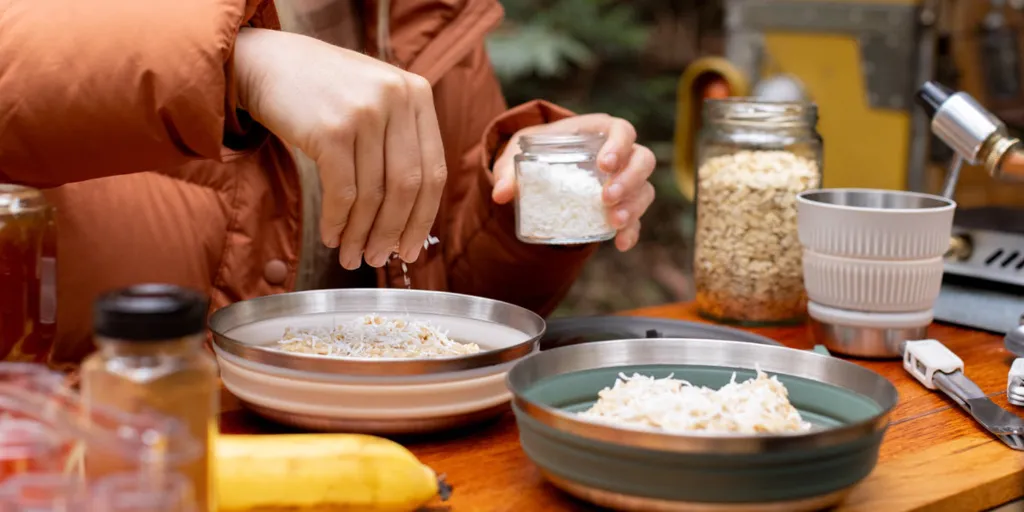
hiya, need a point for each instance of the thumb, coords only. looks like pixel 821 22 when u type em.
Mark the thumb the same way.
pixel 504 181
pixel 504 173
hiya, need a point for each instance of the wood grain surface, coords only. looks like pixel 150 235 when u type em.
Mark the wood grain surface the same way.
pixel 934 457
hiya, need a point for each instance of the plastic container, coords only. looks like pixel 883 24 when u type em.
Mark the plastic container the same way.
pixel 47 434
pixel 559 195
pixel 151 357
pixel 28 274
pixel 754 157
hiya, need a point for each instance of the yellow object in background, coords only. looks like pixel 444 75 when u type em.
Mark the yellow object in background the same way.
pixel 864 147
pixel 832 52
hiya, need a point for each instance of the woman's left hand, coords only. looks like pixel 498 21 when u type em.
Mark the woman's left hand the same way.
pixel 627 194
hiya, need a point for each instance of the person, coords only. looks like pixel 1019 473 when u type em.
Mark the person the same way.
pixel 192 142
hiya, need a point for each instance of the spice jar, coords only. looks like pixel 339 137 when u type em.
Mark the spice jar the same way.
pixel 150 357
pixel 28 274
pixel 754 158
pixel 558 201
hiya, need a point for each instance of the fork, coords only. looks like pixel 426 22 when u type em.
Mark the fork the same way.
pixel 937 367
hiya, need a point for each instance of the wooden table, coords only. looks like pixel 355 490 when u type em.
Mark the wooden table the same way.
pixel 934 456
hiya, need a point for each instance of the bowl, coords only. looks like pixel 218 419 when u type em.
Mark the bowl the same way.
pixel 875 224
pixel 872 285
pixel 634 469
pixel 380 396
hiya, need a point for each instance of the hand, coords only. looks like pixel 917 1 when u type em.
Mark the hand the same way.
pixel 369 126
pixel 627 194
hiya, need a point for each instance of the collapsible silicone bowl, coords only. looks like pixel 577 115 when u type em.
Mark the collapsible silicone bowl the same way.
pixel 648 470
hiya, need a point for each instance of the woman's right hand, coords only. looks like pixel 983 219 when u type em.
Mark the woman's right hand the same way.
pixel 370 127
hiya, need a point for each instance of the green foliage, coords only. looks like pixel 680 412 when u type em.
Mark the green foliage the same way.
pixel 585 55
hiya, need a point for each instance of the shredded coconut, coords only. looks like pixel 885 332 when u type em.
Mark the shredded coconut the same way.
pixel 431 240
pixel 756 406
pixel 375 336
pixel 559 201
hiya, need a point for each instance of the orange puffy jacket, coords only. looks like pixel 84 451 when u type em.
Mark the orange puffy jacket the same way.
pixel 124 107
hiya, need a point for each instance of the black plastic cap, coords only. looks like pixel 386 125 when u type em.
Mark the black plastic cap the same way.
pixel 932 95
pixel 150 312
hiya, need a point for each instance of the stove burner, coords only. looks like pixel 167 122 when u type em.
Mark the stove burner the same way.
pixel 562 332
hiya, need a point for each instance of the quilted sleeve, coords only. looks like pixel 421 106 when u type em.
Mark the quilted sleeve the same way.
pixel 103 87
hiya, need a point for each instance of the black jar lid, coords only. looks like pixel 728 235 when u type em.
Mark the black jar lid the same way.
pixel 150 312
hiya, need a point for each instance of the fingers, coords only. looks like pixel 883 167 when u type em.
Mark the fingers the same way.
pixel 435 171
pixel 632 208
pixel 620 136
pixel 504 180
pixel 627 238
pixel 618 147
pixel 337 179
pixel 403 175
pixel 369 177
pixel 632 178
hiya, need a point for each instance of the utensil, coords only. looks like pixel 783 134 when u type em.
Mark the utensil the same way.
pixel 937 367
pixel 1015 382
pixel 382 396
pixel 632 469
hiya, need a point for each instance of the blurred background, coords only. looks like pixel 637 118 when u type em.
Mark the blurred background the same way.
pixel 859 60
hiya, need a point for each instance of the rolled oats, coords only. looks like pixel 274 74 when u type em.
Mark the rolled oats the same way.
pixel 747 263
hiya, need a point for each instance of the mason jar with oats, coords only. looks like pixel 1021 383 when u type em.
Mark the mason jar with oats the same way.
pixel 753 158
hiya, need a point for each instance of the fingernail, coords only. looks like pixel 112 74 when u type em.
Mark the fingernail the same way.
pixel 346 263
pixel 411 255
pixel 615 192
pixel 610 161
pixel 378 260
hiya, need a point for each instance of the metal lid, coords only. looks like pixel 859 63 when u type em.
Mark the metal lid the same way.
pixel 563 332
pixel 150 312
pixel 16 199
pixel 246 329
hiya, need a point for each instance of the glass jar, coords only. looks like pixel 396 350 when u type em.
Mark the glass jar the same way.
pixel 559 190
pixel 754 157
pixel 28 274
pixel 151 357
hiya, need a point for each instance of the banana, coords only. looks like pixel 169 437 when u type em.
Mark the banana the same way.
pixel 350 472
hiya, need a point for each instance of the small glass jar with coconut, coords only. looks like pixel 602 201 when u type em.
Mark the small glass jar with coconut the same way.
pixel 558 200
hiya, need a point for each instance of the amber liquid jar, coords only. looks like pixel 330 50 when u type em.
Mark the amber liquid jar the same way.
pixel 150 357
pixel 754 157
pixel 28 275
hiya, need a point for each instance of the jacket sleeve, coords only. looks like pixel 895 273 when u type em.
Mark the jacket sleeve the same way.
pixel 98 88
pixel 489 260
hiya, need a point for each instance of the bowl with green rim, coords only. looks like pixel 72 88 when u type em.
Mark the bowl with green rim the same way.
pixel 639 469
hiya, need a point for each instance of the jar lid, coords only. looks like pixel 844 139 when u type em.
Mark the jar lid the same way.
pixel 16 199
pixel 150 312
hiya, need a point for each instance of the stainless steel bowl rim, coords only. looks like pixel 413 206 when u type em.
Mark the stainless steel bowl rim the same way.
pixel 803 362
pixel 806 198
pixel 369 300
